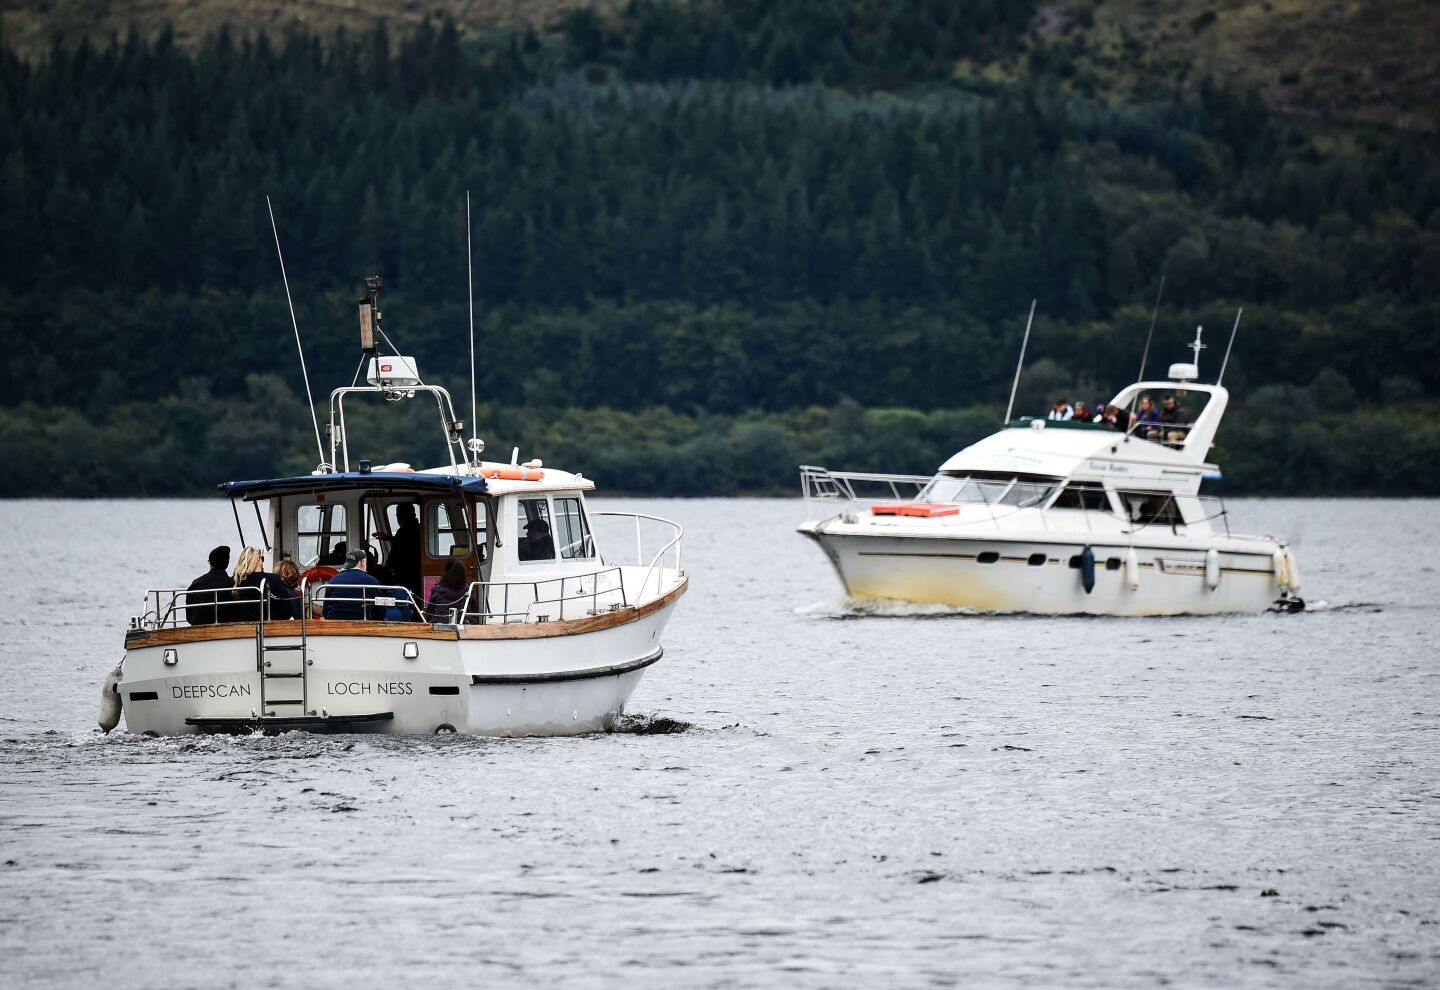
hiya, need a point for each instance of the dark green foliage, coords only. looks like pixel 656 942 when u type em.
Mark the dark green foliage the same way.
pixel 700 219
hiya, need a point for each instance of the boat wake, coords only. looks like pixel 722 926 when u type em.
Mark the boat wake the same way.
pixel 887 608
pixel 652 724
pixel 884 608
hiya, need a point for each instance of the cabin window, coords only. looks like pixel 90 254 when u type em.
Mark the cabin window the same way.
pixel 1026 493
pixel 1151 509
pixel 1082 497
pixel 572 532
pixel 319 532
pixel 534 539
pixel 446 533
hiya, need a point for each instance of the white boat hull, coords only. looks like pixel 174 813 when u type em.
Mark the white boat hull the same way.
pixel 1039 575
pixel 520 679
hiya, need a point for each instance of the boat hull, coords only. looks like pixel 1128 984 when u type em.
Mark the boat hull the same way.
pixel 1044 576
pixel 519 679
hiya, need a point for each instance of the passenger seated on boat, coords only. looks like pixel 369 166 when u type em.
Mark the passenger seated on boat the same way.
pixel 347 595
pixel 1172 418
pixel 537 544
pixel 289 573
pixel 1114 417
pixel 200 608
pixel 1061 410
pixel 1145 419
pixel 1082 415
pixel 257 592
pixel 448 595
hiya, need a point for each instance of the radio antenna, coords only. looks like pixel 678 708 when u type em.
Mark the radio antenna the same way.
pixel 470 298
pixel 309 398
pixel 1021 363
pixel 1226 360
pixel 1145 355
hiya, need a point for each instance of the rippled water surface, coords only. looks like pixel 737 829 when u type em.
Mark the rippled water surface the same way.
pixel 864 796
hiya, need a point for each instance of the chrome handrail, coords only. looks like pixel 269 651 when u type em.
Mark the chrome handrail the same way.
pixel 367 595
pixel 657 560
pixel 821 485
pixel 176 607
pixel 475 606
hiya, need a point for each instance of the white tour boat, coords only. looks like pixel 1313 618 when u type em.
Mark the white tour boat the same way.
pixel 551 637
pixel 1058 517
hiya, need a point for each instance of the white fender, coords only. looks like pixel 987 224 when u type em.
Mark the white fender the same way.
pixel 1212 568
pixel 1282 572
pixel 110 699
pixel 1132 569
pixel 1292 571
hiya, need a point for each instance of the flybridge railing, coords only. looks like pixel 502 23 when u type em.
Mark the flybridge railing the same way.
pixel 860 488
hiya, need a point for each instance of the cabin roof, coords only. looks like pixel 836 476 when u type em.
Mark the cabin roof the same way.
pixel 370 481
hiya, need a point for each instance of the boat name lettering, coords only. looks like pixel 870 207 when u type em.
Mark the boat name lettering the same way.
pixel 1107 466
pixel 369 687
pixel 210 690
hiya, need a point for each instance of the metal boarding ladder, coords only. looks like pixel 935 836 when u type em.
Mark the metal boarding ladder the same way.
pixel 282 673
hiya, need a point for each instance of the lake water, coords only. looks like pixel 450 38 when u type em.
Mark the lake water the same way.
pixel 882 797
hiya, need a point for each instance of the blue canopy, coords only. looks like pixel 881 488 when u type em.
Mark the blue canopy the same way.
pixel 370 481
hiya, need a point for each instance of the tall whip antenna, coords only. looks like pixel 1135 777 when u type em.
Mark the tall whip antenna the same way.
pixel 1145 356
pixel 1226 360
pixel 1021 363
pixel 309 398
pixel 470 285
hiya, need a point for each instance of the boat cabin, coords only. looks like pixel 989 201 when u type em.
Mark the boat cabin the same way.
pixel 504 530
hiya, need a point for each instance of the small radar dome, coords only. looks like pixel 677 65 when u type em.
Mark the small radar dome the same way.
pixel 1183 372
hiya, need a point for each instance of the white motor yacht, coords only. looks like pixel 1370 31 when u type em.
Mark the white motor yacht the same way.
pixel 1058 517
pixel 551 637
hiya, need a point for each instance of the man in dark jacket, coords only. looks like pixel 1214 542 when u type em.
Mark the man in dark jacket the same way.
pixel 347 595
pixel 200 608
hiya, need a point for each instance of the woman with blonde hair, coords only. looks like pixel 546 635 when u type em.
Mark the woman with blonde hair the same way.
pixel 257 592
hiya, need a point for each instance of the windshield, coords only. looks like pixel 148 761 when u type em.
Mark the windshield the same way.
pixel 990 489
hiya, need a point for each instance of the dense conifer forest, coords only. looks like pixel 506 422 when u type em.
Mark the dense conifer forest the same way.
pixel 714 239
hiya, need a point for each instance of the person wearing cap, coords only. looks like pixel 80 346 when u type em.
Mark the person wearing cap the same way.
pixel 200 608
pixel 346 596
pixel 537 544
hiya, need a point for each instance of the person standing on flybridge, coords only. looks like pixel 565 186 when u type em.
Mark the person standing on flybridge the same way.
pixel 346 596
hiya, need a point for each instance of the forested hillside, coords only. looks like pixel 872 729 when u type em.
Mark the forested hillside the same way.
pixel 713 239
